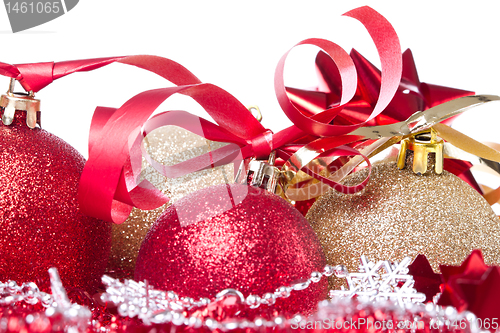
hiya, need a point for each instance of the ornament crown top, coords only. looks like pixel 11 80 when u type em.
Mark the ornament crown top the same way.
pixel 25 102
pixel 422 144
pixel 260 174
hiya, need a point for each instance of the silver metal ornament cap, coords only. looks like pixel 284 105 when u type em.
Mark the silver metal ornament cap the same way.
pixel 12 101
pixel 262 174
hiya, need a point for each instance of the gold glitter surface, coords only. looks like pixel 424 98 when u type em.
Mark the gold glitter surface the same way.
pixel 169 145
pixel 402 214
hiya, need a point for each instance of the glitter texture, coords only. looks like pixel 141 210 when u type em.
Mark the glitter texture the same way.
pixel 382 280
pixel 40 222
pixel 233 236
pixel 169 145
pixel 402 214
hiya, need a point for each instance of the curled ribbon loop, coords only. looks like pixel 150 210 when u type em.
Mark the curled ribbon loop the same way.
pixel 125 125
pixel 390 78
pixel 388 47
pixel 310 152
pixel 108 185
pixel 315 189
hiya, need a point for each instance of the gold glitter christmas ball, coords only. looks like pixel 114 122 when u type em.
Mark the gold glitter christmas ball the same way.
pixel 402 214
pixel 169 145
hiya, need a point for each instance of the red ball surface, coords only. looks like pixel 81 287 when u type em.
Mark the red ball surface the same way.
pixel 233 236
pixel 40 222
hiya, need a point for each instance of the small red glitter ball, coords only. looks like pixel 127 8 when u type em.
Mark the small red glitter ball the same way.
pixel 41 225
pixel 234 236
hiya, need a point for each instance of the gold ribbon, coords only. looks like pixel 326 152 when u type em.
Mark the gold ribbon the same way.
pixel 388 135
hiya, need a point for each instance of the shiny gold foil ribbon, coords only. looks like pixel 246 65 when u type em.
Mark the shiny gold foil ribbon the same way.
pixel 388 135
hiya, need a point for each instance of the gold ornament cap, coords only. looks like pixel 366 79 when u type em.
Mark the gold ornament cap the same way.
pixel 422 144
pixel 262 174
pixel 12 101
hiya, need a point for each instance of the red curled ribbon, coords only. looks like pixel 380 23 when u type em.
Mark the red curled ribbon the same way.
pixel 108 186
pixel 388 47
pixel 389 50
pixel 412 96
pixel 264 142
pixel 34 77
pixel 107 174
pixel 124 125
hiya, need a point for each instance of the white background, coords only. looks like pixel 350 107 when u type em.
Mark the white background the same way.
pixel 237 45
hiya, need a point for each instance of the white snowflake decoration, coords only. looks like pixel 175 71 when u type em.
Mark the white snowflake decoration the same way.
pixel 383 280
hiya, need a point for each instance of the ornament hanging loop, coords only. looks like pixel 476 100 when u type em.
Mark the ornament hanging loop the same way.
pixel 13 101
pixel 422 144
pixel 255 111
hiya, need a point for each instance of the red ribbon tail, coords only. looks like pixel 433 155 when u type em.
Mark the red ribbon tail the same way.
pixel 144 195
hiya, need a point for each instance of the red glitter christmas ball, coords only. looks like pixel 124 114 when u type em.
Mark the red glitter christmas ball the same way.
pixel 40 222
pixel 234 236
